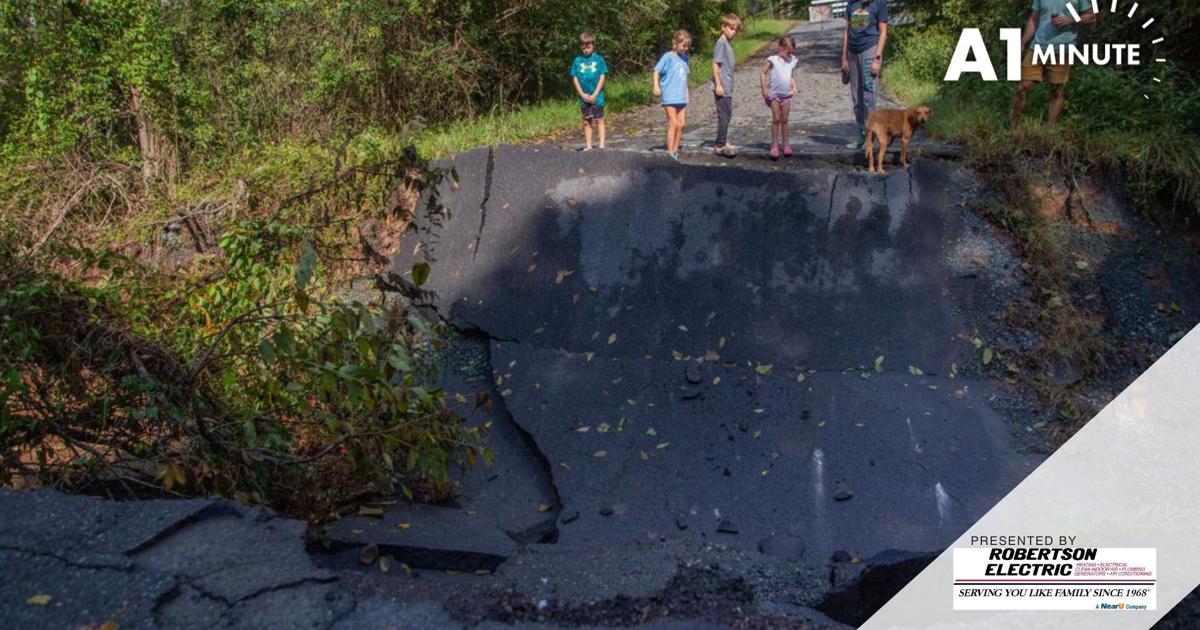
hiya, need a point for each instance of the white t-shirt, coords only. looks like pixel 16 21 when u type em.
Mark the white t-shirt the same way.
pixel 779 81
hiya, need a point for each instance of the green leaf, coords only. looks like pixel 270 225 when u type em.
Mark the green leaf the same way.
pixel 988 355
pixel 764 369
pixel 420 273
pixel 879 363
pixel 304 269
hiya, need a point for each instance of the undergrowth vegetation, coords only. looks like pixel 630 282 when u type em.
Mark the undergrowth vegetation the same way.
pixel 198 204
pixel 1110 131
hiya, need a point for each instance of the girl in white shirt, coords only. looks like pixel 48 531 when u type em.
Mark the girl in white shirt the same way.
pixel 778 88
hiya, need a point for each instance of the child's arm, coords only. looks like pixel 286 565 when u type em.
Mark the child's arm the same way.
pixel 762 78
pixel 795 90
pixel 657 87
pixel 717 87
pixel 579 90
pixel 599 86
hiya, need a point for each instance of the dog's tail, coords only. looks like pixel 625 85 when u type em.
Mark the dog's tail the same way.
pixel 870 146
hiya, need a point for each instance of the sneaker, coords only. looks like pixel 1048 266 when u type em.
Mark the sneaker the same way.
pixel 774 152
pixel 787 150
pixel 674 155
pixel 862 142
pixel 725 151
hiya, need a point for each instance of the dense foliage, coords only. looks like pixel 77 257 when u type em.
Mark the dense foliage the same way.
pixel 193 79
pixel 1109 121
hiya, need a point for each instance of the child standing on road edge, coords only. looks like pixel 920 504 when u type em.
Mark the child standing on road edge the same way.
pixel 723 67
pixel 671 85
pixel 588 73
pixel 778 87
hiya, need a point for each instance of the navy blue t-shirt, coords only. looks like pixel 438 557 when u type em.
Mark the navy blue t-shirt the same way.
pixel 864 19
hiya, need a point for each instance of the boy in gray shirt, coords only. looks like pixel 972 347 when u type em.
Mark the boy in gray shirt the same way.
pixel 723 67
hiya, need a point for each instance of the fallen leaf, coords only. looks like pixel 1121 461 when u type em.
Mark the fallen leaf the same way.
pixel 385 564
pixel 369 555
pixel 879 363
pixel 988 354
pixel 601 454
pixel 651 432
pixel 716 380
pixel 915 371
pixel 683 328
pixel 604 427
pixel 764 369
pixel 645 456
pixel 1081 264
pixel 374 512
pixel 663 445
pixel 403 526
pixel 562 275
pixel 584 429
pixel 721 342
pixel 545 507
pixel 39 600
pixel 612 339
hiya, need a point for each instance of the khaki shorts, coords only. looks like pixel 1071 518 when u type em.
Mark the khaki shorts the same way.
pixel 1059 73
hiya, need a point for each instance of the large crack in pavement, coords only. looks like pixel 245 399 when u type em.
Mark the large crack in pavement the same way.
pixel 747 358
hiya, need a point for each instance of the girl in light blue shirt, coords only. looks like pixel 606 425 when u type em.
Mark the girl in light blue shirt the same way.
pixel 671 85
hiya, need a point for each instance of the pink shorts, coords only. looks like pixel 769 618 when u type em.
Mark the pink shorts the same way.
pixel 782 99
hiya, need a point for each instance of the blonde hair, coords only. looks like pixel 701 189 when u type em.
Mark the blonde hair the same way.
pixel 732 21
pixel 682 37
pixel 587 37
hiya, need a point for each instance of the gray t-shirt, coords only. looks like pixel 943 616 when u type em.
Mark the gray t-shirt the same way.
pixel 723 57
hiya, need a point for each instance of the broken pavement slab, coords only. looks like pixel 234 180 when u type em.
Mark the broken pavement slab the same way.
pixel 716 333
pixel 150 564
pixel 429 537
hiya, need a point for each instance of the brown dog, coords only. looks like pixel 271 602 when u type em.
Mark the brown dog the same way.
pixel 885 124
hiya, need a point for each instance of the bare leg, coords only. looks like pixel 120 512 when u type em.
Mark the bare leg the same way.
pixel 1018 102
pixel 670 126
pixel 681 122
pixel 784 110
pixel 776 116
pixel 587 132
pixel 600 124
pixel 1058 98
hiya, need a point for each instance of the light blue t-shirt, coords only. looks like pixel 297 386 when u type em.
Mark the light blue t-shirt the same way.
pixel 672 78
pixel 1050 35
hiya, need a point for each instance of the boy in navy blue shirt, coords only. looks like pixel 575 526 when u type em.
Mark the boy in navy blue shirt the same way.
pixel 588 73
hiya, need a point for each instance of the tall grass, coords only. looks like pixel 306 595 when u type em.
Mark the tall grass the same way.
pixel 1108 121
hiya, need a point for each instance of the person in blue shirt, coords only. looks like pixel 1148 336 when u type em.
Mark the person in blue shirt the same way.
pixel 863 42
pixel 588 73
pixel 1049 24
pixel 671 86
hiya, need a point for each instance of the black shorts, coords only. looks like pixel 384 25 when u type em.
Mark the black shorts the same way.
pixel 591 111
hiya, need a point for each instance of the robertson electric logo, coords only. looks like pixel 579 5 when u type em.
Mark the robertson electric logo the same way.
pixel 971 54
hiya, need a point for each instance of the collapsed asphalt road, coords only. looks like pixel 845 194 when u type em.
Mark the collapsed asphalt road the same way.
pixel 780 363
pixel 722 396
